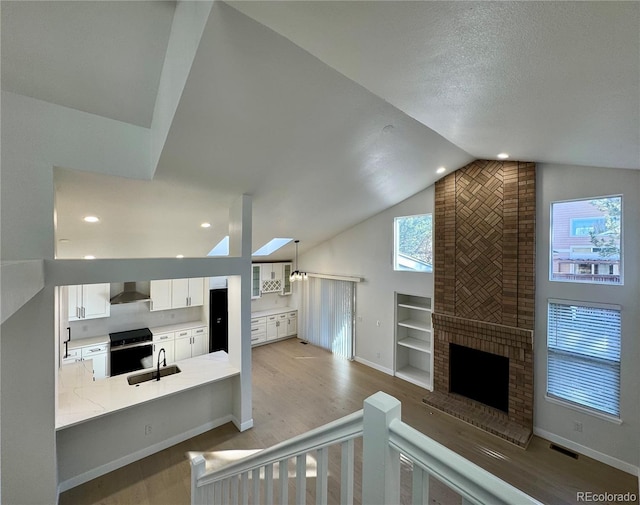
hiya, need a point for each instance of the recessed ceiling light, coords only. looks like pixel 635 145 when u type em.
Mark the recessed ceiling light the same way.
pixel 388 129
pixel 180 256
pixel 441 170
pixel 91 219
pixel 89 257
pixel 205 225
pixel 503 156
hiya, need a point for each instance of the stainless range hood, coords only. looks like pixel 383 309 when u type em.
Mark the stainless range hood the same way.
pixel 130 295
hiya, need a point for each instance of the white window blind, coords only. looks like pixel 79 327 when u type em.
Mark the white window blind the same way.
pixel 327 313
pixel 583 343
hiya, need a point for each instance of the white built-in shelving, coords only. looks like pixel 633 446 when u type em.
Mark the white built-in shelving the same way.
pixel 413 340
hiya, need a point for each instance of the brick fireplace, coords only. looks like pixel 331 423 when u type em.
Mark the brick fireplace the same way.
pixel 484 261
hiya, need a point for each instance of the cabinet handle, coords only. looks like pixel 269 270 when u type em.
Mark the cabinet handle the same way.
pixel 83 313
pixel 151 305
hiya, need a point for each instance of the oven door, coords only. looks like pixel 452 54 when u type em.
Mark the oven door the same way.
pixel 131 357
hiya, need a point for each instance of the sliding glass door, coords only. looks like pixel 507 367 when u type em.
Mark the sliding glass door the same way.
pixel 328 308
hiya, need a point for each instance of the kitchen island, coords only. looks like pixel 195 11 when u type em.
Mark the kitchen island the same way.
pixel 103 425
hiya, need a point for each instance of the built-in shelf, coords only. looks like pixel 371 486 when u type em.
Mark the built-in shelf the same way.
pixel 413 339
pixel 415 343
pixel 415 324
pixel 414 375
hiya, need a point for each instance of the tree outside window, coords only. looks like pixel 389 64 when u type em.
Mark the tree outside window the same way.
pixel 413 243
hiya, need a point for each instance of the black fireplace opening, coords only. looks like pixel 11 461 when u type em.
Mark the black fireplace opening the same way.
pixel 479 375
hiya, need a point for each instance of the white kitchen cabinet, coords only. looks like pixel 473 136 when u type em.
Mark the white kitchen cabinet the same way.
pixel 160 294
pixel 164 341
pixel 272 327
pixel 256 281
pixel 187 292
pixel 282 326
pixel 292 323
pixel 176 293
pixel 414 340
pixel 286 279
pixel 89 301
pixel 98 354
pixel 191 343
pixel 258 330
pixel 271 277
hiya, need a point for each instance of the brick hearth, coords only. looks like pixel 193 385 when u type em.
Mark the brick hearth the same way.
pixel 485 286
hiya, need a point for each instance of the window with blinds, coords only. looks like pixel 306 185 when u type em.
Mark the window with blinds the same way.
pixel 583 343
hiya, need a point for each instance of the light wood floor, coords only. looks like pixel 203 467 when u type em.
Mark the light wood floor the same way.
pixel 298 387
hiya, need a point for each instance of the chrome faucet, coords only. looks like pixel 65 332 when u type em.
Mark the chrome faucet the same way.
pixel 164 361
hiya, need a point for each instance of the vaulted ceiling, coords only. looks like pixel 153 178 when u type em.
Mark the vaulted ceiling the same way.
pixel 326 112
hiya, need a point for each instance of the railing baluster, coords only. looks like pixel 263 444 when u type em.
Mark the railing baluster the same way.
pixel 420 487
pixel 268 482
pixel 217 493
pixel 321 476
pixel 233 482
pixel 347 471
pixel 244 481
pixel 225 491
pixel 301 479
pixel 256 485
pixel 283 474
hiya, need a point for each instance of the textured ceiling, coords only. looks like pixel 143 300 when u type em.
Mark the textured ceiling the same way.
pixel 326 112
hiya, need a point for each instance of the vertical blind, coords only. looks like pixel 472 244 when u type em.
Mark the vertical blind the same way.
pixel 327 314
pixel 583 343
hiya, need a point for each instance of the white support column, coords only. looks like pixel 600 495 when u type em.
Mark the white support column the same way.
pixel 380 463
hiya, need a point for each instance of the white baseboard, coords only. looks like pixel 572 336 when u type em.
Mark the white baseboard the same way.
pixel 380 368
pixel 591 453
pixel 242 426
pixel 142 453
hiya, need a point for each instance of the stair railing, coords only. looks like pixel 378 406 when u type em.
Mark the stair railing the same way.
pixel 384 439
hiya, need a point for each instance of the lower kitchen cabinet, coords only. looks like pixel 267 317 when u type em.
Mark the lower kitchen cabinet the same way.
pixel 98 354
pixel 273 327
pixel 164 341
pixel 190 343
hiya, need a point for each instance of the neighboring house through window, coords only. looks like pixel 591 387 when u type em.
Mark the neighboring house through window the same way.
pixel 586 240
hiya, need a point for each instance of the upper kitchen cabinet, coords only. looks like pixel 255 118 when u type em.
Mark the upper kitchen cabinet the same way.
pixel 187 292
pixel 256 291
pixel 274 278
pixel 176 293
pixel 271 278
pixel 89 301
pixel 160 295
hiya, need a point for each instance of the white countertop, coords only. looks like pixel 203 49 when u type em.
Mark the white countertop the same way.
pixel 271 312
pixel 74 344
pixel 177 327
pixel 81 399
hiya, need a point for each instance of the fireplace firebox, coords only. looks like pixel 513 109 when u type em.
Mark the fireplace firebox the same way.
pixel 479 375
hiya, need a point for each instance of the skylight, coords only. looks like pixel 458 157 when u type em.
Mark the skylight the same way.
pixel 272 246
pixel 221 248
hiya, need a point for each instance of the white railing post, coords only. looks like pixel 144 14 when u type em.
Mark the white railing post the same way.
pixel 198 465
pixel 380 463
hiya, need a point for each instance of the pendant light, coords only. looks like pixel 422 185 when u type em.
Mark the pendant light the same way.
pixel 297 275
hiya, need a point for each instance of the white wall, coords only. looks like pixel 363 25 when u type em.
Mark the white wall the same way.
pixel 612 443
pixel 366 250
pixel 271 301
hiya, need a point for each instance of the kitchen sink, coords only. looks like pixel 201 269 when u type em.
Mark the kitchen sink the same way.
pixel 152 375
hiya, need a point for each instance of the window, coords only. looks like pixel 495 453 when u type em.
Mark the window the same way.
pixel 586 240
pixel 412 243
pixel 583 362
